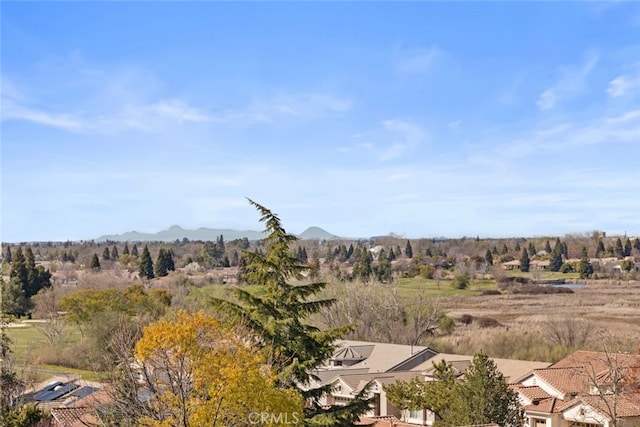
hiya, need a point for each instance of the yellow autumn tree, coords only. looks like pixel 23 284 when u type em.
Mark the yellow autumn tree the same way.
pixel 199 373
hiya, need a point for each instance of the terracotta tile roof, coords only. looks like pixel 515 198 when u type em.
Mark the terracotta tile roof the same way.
pixel 68 417
pixel 598 360
pixel 627 405
pixel 532 393
pixel 567 380
pixel 547 406
pixel 95 399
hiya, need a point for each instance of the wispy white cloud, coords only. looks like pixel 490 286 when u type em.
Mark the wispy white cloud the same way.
pixel 556 139
pixel 410 136
pixel 624 85
pixel 12 111
pixel 180 111
pixel 290 105
pixel 572 82
pixel 395 138
pixel 416 60
pixel 108 116
pixel 117 106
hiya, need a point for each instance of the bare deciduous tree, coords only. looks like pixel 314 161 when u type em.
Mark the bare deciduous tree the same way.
pixel 612 378
pixel 568 332
pixel 423 315
pixel 54 326
pixel 380 314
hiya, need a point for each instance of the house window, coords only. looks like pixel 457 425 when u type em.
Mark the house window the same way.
pixel 414 413
pixel 538 422
pixel 578 424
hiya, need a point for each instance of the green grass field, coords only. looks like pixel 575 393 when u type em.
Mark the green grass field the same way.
pixel 27 341
pixel 408 287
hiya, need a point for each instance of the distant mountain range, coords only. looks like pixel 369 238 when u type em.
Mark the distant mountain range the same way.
pixel 178 233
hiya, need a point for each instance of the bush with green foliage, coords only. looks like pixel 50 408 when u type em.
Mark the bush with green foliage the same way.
pixel 481 397
pixel 460 282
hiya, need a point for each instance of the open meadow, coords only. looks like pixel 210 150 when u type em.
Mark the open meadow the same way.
pixel 602 315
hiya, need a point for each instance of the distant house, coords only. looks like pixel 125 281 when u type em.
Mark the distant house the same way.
pixel 357 365
pixel 364 356
pixel 59 392
pixel 537 264
pixel 585 389
pixel 511 265
pixel 82 412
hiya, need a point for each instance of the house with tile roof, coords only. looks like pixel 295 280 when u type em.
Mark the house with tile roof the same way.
pixel 374 365
pixel 585 389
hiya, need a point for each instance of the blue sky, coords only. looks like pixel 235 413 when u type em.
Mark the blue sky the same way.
pixel 364 118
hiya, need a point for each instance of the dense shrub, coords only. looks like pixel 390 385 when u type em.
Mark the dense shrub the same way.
pixel 460 282
pixel 465 319
pixel 566 268
pixel 487 322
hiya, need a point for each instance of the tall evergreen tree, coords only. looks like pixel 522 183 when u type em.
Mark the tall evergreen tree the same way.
pixel 32 278
pixel 125 250
pixel 408 250
pixel 487 397
pixel 161 264
pixel 134 250
pixel 547 247
pixel 114 253
pixel 363 268
pixel 95 262
pixel 619 250
pixel 171 266
pixel 600 250
pixel 13 301
pixel 584 267
pixel 488 257
pixel 278 316
pixel 627 247
pixel 525 262
pixel 19 267
pixel 565 250
pixel 349 252
pixel 146 264
pixel 636 243
pixel 29 259
pixel 106 254
pixel 164 262
pixel 8 257
pixel 555 263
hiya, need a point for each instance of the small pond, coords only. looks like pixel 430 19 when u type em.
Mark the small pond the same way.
pixel 569 285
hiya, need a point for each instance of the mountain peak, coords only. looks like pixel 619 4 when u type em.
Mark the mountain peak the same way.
pixel 316 233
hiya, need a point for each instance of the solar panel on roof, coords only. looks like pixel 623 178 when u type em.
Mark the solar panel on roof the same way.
pixel 47 389
pixel 84 391
pixel 56 392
